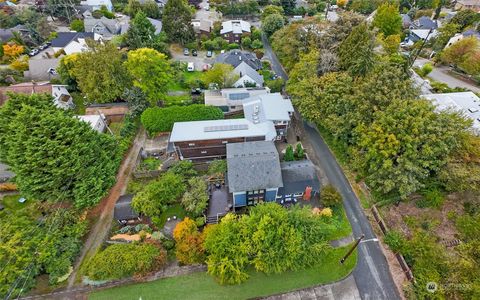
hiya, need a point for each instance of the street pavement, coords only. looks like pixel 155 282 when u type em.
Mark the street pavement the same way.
pixel 372 275
pixel 440 73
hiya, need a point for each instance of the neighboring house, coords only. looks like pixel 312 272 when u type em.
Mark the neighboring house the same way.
pixel 203 28
pixel 123 211
pixel 424 23
pixel 253 172
pixel 270 107
pixel 457 37
pixel 42 69
pixel 7 34
pixel 61 97
pixel 97 122
pixel 125 25
pixel 5 173
pixel 419 34
pixel 299 180
pixel 71 42
pixel 236 57
pixel 232 99
pixel 406 21
pixel 248 76
pixel 466 103
pixel 105 28
pixel 232 31
pixel 206 140
pixel 97 4
pixel 468 4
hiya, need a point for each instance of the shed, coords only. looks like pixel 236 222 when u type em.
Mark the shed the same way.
pixel 123 209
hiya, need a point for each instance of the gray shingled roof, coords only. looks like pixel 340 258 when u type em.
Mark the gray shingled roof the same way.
pixel 64 38
pixel 236 57
pixel 123 208
pixel 297 175
pixel 245 69
pixel 253 166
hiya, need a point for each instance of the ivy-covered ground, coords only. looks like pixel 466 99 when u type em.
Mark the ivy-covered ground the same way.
pixel 203 286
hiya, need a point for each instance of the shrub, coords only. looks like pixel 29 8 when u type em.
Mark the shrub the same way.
pixel 77 25
pixel 156 119
pixel 233 46
pixel 289 155
pixel 326 212
pixel 431 198
pixel 189 242
pixel 299 152
pixel 183 168
pixel 330 196
pixel 395 240
pixel 218 166
pixel 124 260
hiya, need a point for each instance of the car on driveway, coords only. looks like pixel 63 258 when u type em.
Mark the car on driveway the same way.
pixel 190 67
pixel 33 52
pixel 194 52
pixel 186 52
pixel 209 53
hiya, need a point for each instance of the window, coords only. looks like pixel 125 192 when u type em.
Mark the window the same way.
pixel 191 144
pixel 288 196
pixel 279 197
pixel 204 152
pixel 224 142
pixel 298 194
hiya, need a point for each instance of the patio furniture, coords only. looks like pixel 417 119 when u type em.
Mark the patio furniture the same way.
pixel 22 200
pixel 174 217
pixel 168 219
pixel 281 201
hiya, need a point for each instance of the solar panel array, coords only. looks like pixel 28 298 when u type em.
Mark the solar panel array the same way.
pixel 225 127
pixel 238 96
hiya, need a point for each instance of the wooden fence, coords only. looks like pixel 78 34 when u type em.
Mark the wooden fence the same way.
pixel 401 260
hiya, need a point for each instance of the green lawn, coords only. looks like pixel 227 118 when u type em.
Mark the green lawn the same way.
pixel 173 210
pixel 116 127
pixel 342 224
pixel 202 286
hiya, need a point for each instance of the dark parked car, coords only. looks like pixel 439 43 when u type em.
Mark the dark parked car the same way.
pixel 196 91
pixel 186 52
pixel 209 53
pixel 194 52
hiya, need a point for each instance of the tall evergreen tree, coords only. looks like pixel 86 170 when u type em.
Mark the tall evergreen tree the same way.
pixel 55 156
pixel 141 32
pixel 177 22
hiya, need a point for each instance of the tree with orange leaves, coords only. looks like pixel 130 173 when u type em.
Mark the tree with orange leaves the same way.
pixel 12 50
pixel 189 241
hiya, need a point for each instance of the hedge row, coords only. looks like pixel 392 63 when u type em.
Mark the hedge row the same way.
pixel 157 119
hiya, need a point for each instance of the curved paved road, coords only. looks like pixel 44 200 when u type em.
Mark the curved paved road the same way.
pixel 371 274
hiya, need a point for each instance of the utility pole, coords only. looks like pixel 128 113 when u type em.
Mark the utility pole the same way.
pixel 326 10
pixel 351 249
pixel 421 47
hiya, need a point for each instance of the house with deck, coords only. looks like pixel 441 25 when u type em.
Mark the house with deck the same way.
pixel 255 175
pixel 229 100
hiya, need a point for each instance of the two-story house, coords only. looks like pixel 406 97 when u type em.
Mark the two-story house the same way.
pixel 233 30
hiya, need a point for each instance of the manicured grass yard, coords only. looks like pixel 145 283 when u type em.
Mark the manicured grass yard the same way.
pixel 12 205
pixel 342 224
pixel 202 286
pixel 173 210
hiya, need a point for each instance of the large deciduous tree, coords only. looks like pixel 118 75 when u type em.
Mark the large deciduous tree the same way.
pixel 156 195
pixel 356 53
pixel 189 248
pixel 465 54
pixel 177 22
pixel 195 200
pixel 100 73
pixel 272 23
pixel 55 156
pixel 388 19
pixel 406 142
pixel 221 75
pixel 150 71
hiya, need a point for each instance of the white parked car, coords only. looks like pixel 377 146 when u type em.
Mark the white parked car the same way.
pixel 190 67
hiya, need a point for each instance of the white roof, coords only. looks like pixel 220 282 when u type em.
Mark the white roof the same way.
pixel 423 33
pixel 268 107
pixel 90 119
pixel 232 96
pixel 235 26
pixel 220 129
pixel 465 102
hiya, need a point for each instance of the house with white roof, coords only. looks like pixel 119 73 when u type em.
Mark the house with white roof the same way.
pixel 229 100
pixel 97 4
pixel 206 140
pixel 97 122
pixel 270 108
pixel 248 76
pixel 233 30
pixel 459 36
pixel 466 103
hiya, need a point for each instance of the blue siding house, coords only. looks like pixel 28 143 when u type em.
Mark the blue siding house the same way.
pixel 253 172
